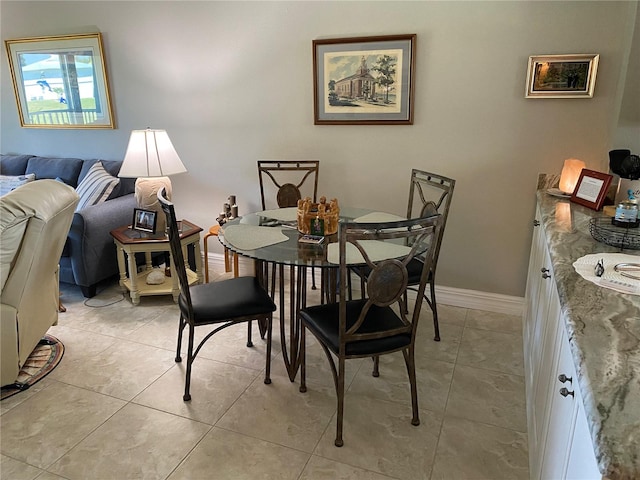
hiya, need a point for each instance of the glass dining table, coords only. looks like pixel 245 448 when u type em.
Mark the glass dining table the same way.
pixel 280 258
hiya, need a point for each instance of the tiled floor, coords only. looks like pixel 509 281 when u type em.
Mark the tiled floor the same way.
pixel 113 408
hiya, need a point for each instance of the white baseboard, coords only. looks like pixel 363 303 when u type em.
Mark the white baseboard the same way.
pixel 490 302
pixel 456 297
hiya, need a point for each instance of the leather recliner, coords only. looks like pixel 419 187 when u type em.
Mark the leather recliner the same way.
pixel 34 222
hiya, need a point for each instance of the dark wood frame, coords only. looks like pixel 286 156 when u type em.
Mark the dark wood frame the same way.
pixel 357 46
pixel 606 179
pixel 136 226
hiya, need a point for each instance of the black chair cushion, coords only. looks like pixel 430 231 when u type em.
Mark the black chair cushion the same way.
pixel 220 301
pixel 323 321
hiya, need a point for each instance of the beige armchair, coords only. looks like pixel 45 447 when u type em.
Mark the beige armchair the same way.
pixel 34 222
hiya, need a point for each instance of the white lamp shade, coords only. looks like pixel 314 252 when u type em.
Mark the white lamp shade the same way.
pixel 150 153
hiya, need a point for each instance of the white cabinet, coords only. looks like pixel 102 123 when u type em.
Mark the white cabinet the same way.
pixel 562 415
pixel 559 440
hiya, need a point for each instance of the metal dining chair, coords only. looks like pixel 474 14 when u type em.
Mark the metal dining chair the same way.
pixel 429 193
pixel 379 323
pixel 285 178
pixel 285 181
pixel 219 304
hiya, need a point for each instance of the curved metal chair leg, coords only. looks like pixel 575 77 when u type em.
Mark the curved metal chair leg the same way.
pixel 434 309
pixel 409 361
pixel 303 358
pixel 187 384
pixel 178 358
pixel 249 342
pixel 339 442
pixel 267 374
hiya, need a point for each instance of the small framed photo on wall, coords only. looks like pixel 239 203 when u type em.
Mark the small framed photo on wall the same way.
pixel 591 189
pixel 144 220
pixel 561 76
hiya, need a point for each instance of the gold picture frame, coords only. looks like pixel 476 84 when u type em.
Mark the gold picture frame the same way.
pixel 562 76
pixel 60 81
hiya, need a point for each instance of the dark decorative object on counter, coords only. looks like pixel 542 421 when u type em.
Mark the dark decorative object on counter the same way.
pixel 603 231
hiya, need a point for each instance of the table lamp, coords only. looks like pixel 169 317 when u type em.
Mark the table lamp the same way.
pixel 570 175
pixel 151 158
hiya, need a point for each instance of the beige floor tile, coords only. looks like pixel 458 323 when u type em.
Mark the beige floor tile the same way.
pixel 499 322
pixel 117 320
pixel 80 344
pixel 46 426
pixel 318 369
pixel 489 397
pixel 433 379
pixel 446 349
pixel 447 314
pixel 214 388
pixel 161 331
pixel 226 455
pixel 50 476
pixel 279 413
pixel 378 436
pixel 137 442
pixel 473 451
pixel 497 351
pixel 127 369
pixel 264 431
pixel 11 402
pixel 320 468
pixel 11 469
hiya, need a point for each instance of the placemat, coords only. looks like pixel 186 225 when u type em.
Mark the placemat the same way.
pixel 252 237
pixel 585 267
pixel 379 217
pixel 377 250
pixel 287 214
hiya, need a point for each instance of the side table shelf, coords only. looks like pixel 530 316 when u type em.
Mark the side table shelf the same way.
pixel 129 242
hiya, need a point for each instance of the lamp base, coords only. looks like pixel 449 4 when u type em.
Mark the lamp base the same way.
pixel 146 193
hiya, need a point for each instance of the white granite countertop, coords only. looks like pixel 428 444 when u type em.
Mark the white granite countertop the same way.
pixel 603 328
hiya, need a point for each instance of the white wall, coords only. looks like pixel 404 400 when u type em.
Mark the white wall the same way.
pixel 232 83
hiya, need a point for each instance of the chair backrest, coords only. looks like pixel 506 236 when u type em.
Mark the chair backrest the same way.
pixel 283 179
pixel 383 248
pixel 430 193
pixel 175 245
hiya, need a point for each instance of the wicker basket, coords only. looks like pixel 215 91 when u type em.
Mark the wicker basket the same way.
pixel 603 231
pixel 308 211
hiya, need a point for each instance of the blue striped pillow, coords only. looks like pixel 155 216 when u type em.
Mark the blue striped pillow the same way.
pixel 96 186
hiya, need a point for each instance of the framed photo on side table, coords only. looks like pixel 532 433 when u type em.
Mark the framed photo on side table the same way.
pixel 144 220
pixel 591 189
pixel 364 80
pixel 561 76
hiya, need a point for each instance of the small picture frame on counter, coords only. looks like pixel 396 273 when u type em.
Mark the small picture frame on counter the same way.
pixel 591 189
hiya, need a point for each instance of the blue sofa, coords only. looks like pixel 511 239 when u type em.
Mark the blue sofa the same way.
pixel 89 255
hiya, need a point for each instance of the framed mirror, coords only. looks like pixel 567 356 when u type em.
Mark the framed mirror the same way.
pixel 60 81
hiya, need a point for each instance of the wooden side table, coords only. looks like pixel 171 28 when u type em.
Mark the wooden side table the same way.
pixel 228 255
pixel 130 242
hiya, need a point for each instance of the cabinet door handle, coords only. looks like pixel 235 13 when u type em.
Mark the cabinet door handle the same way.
pixel 536 223
pixel 544 270
pixel 565 393
pixel 546 275
pixel 563 378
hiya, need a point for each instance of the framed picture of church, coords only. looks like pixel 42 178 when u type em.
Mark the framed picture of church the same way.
pixel 364 80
